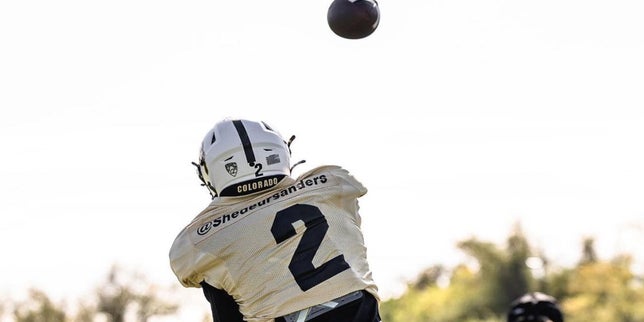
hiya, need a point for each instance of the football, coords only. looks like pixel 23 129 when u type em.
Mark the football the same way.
pixel 353 19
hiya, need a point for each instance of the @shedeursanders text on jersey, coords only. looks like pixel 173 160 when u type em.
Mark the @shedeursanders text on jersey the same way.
pixel 227 218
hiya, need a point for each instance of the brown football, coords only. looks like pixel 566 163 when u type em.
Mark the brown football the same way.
pixel 353 19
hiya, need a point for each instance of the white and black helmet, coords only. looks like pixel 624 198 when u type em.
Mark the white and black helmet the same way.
pixel 240 157
pixel 535 307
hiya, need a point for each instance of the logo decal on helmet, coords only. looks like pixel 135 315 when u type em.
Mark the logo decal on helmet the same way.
pixel 232 168
pixel 272 159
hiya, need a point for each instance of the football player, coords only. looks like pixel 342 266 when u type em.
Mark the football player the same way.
pixel 270 247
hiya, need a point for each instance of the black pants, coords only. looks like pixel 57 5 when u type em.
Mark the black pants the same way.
pixel 364 309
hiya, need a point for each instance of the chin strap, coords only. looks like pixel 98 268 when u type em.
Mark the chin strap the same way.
pixel 288 144
pixel 297 163
pixel 211 189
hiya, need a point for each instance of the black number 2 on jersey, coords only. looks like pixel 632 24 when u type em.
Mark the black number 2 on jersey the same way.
pixel 306 275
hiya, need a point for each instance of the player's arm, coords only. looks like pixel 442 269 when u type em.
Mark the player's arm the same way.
pixel 223 306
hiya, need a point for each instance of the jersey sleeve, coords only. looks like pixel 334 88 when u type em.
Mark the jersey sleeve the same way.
pixel 342 176
pixel 181 257
pixel 188 263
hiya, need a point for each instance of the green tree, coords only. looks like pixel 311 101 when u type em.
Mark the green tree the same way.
pixel 115 296
pixel 594 290
pixel 38 308
pixel 503 273
pixel 84 313
pixel 588 255
pixel 489 286
pixel 150 304
pixel 429 277
pixel 515 275
pixel 475 293
pixel 3 305
pixel 603 290
pixel 460 301
pixel 129 292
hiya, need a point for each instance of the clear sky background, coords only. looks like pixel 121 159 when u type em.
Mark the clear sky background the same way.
pixel 461 117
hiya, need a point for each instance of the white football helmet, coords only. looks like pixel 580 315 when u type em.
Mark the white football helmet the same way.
pixel 240 157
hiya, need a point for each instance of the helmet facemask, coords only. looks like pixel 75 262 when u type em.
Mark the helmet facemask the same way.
pixel 202 174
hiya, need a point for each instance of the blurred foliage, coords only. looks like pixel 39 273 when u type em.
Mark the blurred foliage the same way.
pixel 479 290
pixel 124 296
pixel 593 290
pixel 39 308
pixel 123 291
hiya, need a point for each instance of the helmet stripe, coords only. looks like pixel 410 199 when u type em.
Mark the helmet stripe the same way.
pixel 248 147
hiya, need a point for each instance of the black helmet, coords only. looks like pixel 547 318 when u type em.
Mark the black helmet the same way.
pixel 535 307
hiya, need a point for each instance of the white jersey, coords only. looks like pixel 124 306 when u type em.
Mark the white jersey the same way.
pixel 293 246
